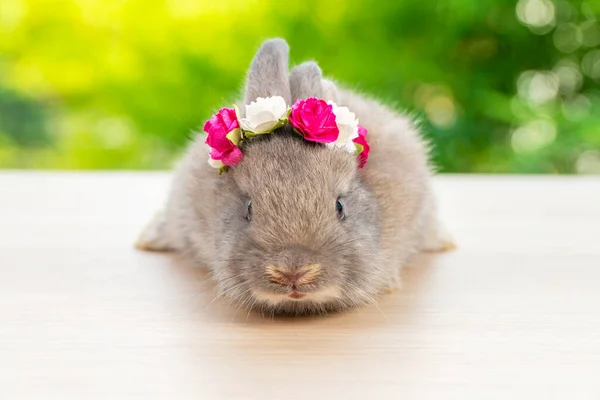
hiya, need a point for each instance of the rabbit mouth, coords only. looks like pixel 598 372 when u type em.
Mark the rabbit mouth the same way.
pixel 296 295
pixel 320 296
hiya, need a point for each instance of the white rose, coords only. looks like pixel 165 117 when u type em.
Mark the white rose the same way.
pixel 347 124
pixel 215 163
pixel 263 115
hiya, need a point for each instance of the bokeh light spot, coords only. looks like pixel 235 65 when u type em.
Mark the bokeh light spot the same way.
pixel 577 108
pixel 438 103
pixel 536 13
pixel 533 136
pixel 590 33
pixel 567 38
pixel 441 111
pixel 588 163
pixel 569 77
pixel 114 132
pixel 538 86
pixel 590 64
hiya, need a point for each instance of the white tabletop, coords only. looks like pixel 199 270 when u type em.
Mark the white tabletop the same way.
pixel 513 313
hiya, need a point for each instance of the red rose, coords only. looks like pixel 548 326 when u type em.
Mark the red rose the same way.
pixel 362 143
pixel 223 132
pixel 315 120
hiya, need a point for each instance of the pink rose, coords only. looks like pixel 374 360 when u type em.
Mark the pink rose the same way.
pixel 361 141
pixel 315 120
pixel 223 136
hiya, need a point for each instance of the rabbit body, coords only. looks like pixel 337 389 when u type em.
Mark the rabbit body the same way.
pixel 294 231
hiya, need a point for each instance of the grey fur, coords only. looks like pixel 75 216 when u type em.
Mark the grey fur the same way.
pixel 293 184
pixel 268 74
pixel 306 81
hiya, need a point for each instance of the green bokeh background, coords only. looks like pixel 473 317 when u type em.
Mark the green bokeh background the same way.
pixel 501 86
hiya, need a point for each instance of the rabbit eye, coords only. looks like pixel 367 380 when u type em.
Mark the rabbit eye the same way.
pixel 249 210
pixel 339 207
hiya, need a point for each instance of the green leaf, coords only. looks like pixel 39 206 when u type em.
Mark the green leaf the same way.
pixel 359 148
pixel 280 123
pixel 235 136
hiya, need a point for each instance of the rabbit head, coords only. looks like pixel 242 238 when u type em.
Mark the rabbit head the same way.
pixel 299 231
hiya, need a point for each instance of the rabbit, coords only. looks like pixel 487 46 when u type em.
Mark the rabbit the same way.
pixel 296 228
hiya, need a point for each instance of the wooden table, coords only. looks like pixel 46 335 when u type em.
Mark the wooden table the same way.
pixel 513 313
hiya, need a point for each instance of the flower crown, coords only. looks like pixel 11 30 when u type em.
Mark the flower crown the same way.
pixel 314 119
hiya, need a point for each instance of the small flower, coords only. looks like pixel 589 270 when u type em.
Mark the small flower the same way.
pixel 223 137
pixel 314 119
pixel 348 126
pixel 264 115
pixel 218 164
pixel 362 146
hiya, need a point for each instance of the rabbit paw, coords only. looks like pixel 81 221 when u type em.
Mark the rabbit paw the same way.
pixel 153 236
pixel 438 240
pixel 393 285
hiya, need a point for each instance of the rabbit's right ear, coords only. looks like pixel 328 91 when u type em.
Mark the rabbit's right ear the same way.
pixel 268 75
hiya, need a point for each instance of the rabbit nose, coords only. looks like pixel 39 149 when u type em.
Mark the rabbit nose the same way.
pixel 293 278
pixel 290 279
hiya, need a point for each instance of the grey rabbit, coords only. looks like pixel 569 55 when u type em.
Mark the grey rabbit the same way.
pixel 296 227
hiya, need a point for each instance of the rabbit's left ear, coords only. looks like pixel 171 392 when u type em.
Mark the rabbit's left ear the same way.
pixel 268 75
pixel 306 81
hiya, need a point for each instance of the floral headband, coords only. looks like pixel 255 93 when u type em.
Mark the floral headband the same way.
pixel 314 119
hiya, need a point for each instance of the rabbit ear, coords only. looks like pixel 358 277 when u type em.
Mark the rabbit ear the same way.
pixel 268 75
pixel 306 81
pixel 330 91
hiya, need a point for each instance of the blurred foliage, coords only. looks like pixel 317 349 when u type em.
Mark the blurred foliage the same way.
pixel 500 86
